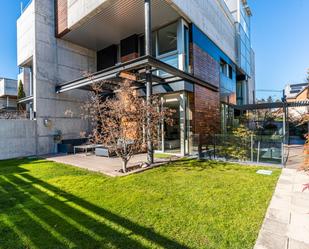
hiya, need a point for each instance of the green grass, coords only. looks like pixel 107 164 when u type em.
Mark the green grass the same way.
pixel 163 155
pixel 188 204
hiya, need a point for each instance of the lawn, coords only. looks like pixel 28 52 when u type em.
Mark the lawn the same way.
pixel 188 204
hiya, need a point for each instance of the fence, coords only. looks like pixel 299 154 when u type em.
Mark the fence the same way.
pixel 255 148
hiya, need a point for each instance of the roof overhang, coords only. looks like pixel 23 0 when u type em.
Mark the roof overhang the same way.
pixel 136 68
pixel 114 20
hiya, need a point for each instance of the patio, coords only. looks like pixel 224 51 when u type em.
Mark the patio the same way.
pixel 107 165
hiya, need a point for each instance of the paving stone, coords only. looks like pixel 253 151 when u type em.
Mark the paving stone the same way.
pixel 280 215
pixel 268 240
pixel 280 203
pixel 298 228
pixel 275 227
pixel 294 244
pixel 299 204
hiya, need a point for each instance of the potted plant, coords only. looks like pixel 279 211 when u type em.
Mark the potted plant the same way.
pixel 57 139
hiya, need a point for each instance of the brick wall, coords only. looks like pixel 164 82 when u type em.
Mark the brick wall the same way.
pixel 61 17
pixel 206 111
pixel 204 66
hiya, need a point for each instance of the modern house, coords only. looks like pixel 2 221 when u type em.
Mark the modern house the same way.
pixel 8 94
pixel 201 61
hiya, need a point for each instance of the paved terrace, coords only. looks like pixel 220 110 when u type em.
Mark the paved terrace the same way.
pixel 286 225
pixel 108 166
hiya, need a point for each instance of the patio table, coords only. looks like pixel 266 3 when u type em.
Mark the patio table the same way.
pixel 87 147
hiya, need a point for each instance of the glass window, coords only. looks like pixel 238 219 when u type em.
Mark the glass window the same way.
pixel 186 48
pixel 167 39
pixel 170 60
pixel 230 72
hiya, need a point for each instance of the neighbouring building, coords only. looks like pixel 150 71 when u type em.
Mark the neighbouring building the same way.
pixel 202 62
pixel 297 93
pixel 8 94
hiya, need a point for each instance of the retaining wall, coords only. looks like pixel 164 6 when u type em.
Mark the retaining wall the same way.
pixel 17 138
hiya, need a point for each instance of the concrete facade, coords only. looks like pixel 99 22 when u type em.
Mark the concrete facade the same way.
pixel 53 61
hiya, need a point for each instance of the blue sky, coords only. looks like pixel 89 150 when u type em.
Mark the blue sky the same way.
pixel 280 38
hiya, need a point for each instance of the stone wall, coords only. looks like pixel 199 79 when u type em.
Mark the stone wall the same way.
pixel 18 138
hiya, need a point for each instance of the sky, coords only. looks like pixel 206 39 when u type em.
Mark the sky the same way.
pixel 280 39
pixel 279 32
pixel 9 13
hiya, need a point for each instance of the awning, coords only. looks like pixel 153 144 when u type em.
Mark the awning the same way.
pixel 137 68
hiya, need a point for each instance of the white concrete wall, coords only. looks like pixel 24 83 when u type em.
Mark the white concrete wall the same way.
pixel 17 138
pixel 25 35
pixel 78 9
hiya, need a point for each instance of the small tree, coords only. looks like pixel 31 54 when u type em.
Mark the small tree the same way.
pixel 120 121
pixel 21 94
pixel 307 77
pixel 239 145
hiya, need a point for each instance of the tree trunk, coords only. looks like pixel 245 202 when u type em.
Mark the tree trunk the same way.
pixel 124 165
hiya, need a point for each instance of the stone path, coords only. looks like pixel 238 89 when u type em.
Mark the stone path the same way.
pixel 286 225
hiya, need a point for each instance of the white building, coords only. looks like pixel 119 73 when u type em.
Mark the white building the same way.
pixel 8 94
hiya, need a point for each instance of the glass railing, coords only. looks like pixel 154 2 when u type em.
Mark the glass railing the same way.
pixel 255 148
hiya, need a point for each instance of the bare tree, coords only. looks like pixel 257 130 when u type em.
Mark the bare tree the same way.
pixel 119 121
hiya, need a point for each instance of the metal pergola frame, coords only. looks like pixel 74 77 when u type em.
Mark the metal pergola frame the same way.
pixel 136 65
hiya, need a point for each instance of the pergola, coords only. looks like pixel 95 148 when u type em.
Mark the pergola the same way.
pixel 274 105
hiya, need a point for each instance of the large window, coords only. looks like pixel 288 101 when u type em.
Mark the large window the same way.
pixel 168 43
pixel 167 39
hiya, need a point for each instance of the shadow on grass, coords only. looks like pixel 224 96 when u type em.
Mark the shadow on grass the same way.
pixel 196 164
pixel 41 215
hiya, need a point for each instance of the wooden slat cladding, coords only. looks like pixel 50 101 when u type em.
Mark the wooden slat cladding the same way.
pixel 206 113
pixel 204 66
pixel 61 17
